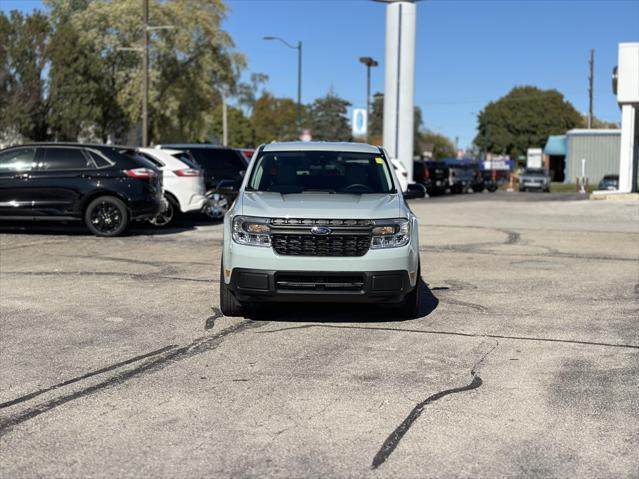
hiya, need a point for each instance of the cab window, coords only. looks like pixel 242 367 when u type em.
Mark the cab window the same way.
pixel 58 159
pixel 18 160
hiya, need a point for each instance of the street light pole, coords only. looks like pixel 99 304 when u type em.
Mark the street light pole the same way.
pixel 299 77
pixel 145 81
pixel 369 62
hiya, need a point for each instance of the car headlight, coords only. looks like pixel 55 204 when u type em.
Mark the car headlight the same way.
pixel 251 231
pixel 390 233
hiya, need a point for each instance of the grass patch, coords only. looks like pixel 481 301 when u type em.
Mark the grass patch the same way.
pixel 567 188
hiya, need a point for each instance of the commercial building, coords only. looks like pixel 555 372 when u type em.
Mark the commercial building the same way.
pixel 600 150
pixel 564 155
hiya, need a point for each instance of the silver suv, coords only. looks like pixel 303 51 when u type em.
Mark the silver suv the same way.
pixel 320 222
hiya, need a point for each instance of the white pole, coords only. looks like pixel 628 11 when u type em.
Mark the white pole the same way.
pixel 583 176
pixel 627 172
pixel 399 90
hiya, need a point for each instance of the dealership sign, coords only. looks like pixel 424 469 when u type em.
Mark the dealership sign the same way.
pixel 359 122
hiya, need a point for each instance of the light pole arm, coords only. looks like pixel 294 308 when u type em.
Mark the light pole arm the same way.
pixel 298 47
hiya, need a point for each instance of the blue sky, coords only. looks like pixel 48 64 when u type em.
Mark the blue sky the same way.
pixel 469 52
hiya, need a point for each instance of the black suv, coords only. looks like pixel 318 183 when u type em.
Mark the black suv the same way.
pixel 432 174
pixel 104 186
pixel 223 167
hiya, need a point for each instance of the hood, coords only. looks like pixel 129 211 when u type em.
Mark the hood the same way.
pixel 320 205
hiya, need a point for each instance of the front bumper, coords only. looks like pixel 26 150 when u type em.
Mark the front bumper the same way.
pixel 147 208
pixel 533 185
pixel 258 285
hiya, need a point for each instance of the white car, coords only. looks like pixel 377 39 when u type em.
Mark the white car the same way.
pixel 184 187
pixel 400 171
pixel 320 222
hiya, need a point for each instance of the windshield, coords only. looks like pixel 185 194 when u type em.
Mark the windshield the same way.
pixel 326 171
pixel 535 172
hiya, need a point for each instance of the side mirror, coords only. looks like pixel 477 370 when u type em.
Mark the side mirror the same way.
pixel 415 190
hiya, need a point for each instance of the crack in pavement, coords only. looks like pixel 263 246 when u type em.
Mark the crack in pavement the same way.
pixel 106 369
pixel 456 333
pixel 393 440
pixel 173 354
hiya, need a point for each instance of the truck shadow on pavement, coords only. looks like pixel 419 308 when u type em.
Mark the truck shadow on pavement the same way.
pixel 342 313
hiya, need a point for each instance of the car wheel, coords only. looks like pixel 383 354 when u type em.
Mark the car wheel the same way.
pixel 410 306
pixel 167 216
pixel 217 206
pixel 492 188
pixel 106 216
pixel 229 305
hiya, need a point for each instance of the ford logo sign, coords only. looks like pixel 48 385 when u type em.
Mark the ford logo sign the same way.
pixel 320 230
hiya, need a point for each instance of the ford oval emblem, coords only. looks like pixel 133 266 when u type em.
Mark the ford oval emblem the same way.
pixel 320 230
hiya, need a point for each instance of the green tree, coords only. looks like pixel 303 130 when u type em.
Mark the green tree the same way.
pixel 522 119
pixel 274 119
pixel 247 91
pixel 240 130
pixel 328 120
pixel 377 124
pixel 376 121
pixel 23 106
pixel 441 146
pixel 189 64
pixel 597 123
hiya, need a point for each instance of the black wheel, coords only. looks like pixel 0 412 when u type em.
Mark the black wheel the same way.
pixel 410 306
pixel 492 188
pixel 106 216
pixel 229 305
pixel 167 216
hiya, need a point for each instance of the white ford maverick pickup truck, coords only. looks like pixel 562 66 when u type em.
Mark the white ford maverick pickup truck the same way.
pixel 320 222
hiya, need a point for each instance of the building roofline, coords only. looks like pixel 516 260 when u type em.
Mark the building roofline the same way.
pixel 598 131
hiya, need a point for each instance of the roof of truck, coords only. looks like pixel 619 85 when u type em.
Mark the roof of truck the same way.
pixel 321 146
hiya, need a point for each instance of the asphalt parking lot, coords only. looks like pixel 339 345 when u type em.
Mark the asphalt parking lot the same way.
pixel 115 361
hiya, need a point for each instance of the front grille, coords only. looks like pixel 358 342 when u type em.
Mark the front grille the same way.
pixel 311 245
pixel 319 282
pixel 294 237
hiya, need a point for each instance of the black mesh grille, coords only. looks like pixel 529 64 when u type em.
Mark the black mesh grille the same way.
pixel 311 245
pixel 319 282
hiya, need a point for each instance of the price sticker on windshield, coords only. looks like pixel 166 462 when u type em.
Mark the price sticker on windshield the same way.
pixel 379 161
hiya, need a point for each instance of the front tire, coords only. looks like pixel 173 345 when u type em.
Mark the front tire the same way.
pixel 106 216
pixel 229 305
pixel 410 306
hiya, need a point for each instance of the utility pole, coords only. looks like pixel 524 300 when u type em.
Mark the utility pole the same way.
pixel 145 81
pixel 225 125
pixel 591 81
pixel 144 50
pixel 299 77
pixel 369 62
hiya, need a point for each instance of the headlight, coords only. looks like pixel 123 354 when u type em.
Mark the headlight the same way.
pixel 390 233
pixel 251 231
